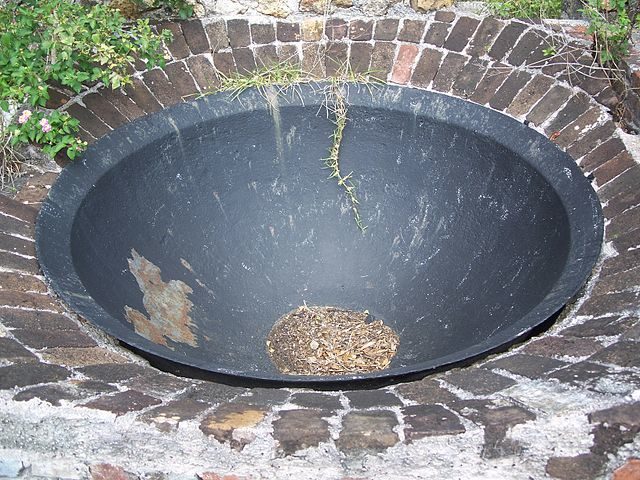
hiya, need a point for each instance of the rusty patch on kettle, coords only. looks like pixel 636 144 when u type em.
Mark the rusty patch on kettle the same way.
pixel 167 304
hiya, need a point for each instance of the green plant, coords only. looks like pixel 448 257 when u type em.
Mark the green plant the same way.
pixel 183 8
pixel 61 42
pixel 526 8
pixel 611 23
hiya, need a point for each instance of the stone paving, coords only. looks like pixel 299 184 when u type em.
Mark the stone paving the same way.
pixel 565 404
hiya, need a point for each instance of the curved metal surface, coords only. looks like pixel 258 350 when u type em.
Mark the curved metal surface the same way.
pixel 189 232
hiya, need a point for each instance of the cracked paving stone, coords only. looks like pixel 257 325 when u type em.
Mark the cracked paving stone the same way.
pixel 367 431
pixel 478 381
pixel 231 423
pixel 319 401
pixel 22 375
pixel 123 402
pixel 168 417
pixel 430 420
pixel 52 394
pixel 299 429
pixel 362 399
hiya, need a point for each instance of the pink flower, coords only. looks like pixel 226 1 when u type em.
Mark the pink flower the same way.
pixel 24 117
pixel 46 127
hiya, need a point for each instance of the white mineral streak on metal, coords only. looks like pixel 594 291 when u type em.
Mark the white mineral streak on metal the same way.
pixel 271 95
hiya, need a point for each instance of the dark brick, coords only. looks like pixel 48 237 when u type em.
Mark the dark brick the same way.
pixel 161 384
pixel 620 282
pixel 426 68
pixel 88 120
pixel 605 326
pixel 484 37
pixel 266 55
pixel 123 402
pixel 263 33
pixel 620 263
pixel 39 339
pixel 336 28
pixel 224 63
pixel 313 60
pixel 320 401
pixel 18 263
pixel 168 417
pixel 445 16
pixel 425 391
pixel 142 96
pixel 448 72
pixel 178 46
pixel 16 209
pixel 576 106
pixel 56 98
pixel 92 387
pixel 84 136
pixel 530 366
pixel 478 381
pixel 48 393
pixel 386 29
pixel 602 153
pixel 576 129
pixel 361 30
pixel 585 466
pixel 80 356
pixel 548 104
pixel 161 87
pixel 24 374
pixel 113 372
pixel 336 57
pixel 360 57
pixel 104 110
pixel 505 417
pixel 509 89
pixel 411 31
pixel 245 62
pixel 461 33
pixel 623 223
pixel 195 36
pixel 506 40
pixel 299 429
pixel 612 303
pixel 288 32
pixel 562 346
pixel 218 37
pixel 524 48
pixel 623 184
pixel 591 140
pixel 490 83
pixel 538 55
pixel 203 73
pixel 33 191
pixel 627 241
pixel 289 54
pixel 18 245
pixel 212 393
pixel 105 471
pixel 239 33
pixel 28 300
pixel 14 352
pixel 265 397
pixel 367 431
pixel 429 420
pixel 229 417
pixel 626 414
pixel 579 373
pixel 469 78
pixel 622 202
pixel 437 33
pixel 612 168
pixel 382 59
pixel 22 283
pixel 34 320
pixel 372 398
pixel 624 354
pixel 11 226
pixel 125 105
pixel 181 80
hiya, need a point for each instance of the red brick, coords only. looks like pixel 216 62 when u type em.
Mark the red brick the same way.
pixel 612 168
pixel 105 471
pixel 16 209
pixel 403 67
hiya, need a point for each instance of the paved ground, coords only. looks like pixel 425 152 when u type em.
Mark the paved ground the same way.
pixel 564 405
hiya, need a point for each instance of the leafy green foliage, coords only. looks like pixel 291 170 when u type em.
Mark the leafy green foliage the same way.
pixel 611 26
pixel 181 7
pixel 526 8
pixel 62 42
